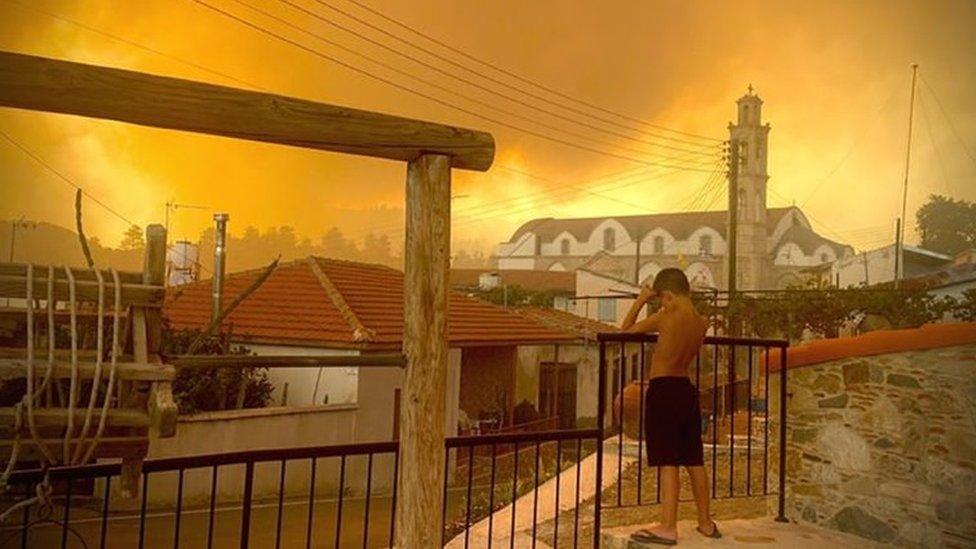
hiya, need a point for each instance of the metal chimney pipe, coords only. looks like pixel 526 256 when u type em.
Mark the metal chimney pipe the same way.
pixel 220 250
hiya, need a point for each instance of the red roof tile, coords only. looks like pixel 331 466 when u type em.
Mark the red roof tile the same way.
pixel 293 307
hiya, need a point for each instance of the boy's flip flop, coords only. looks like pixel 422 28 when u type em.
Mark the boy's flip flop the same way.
pixel 646 536
pixel 715 534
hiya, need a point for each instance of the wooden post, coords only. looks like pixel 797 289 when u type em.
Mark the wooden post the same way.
pixel 419 515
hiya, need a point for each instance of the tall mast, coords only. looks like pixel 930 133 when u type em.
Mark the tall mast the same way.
pixel 900 258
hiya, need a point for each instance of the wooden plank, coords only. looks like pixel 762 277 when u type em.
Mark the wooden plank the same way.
pixel 12 368
pixel 59 416
pixel 132 294
pixel 285 361
pixel 427 252
pixel 80 273
pixel 162 409
pixel 43 84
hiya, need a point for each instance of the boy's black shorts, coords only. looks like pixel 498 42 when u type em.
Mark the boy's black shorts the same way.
pixel 672 422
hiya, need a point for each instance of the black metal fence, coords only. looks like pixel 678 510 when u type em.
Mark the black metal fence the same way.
pixel 356 512
pixel 732 377
pixel 344 495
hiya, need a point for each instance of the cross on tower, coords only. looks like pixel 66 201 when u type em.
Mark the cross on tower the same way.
pixel 750 89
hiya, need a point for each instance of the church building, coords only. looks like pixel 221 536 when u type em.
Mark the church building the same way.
pixel 774 244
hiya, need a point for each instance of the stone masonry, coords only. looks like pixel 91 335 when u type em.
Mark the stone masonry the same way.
pixel 884 446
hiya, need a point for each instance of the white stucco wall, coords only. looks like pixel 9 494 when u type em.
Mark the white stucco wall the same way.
pixel 338 385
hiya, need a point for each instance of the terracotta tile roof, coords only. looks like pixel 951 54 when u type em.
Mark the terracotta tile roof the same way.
pixel 293 307
pixel 584 328
pixel 555 281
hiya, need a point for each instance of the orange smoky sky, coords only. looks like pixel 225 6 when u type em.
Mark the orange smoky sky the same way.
pixel 834 77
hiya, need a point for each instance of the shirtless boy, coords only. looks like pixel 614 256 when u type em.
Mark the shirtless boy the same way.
pixel 672 417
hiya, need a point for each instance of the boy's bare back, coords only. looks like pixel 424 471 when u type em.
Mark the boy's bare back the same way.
pixel 681 331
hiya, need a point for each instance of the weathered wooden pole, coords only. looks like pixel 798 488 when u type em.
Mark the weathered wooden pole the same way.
pixel 419 516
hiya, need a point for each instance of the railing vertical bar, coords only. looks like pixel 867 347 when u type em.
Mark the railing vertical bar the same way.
pixel 749 428
pixel 715 421
pixel 246 504
pixel 515 457
pixel 393 499
pixel 781 516
pixel 342 489
pixel 579 458
pixel 766 425
pixel 447 460
pixel 467 497
pixel 491 492
pixel 106 500
pixel 731 386
pixel 601 402
pixel 179 509
pixel 66 519
pixel 640 424
pixel 142 509
pixel 369 487
pixel 555 516
pixel 311 506
pixel 620 428
pixel 535 493
pixel 24 530
pixel 213 504
pixel 281 501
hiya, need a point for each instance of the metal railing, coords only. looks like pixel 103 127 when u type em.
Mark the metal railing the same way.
pixel 725 367
pixel 355 513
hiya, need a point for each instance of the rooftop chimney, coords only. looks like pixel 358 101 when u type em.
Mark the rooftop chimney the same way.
pixel 220 250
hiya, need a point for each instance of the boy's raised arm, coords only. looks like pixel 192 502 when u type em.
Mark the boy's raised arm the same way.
pixel 643 297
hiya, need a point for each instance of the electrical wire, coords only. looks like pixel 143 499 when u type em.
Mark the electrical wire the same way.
pixel 476 73
pixel 429 97
pixel 516 76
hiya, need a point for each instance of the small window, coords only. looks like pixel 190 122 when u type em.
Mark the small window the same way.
pixel 824 258
pixel 705 245
pixel 659 244
pixel 607 309
pixel 609 239
pixel 564 246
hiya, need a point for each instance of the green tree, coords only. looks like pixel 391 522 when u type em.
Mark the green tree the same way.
pixel 132 239
pixel 946 225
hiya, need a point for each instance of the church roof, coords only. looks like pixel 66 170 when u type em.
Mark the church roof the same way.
pixel 679 224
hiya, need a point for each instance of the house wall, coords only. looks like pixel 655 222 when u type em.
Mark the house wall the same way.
pixel 488 380
pixel 590 284
pixel 585 357
pixel 254 429
pixel 883 446
pixel 336 385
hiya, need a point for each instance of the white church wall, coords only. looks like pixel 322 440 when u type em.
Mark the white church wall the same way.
pixel 555 247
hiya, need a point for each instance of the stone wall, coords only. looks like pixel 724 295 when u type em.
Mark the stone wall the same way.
pixel 885 446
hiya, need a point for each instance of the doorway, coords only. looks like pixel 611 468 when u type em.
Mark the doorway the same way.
pixel 557 392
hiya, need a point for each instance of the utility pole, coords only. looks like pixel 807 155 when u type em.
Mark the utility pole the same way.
pixel 899 274
pixel 732 252
pixel 637 259
pixel 732 237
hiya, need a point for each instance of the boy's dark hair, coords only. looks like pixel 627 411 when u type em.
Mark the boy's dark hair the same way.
pixel 672 280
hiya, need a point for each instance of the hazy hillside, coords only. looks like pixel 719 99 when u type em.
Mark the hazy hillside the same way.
pixel 46 243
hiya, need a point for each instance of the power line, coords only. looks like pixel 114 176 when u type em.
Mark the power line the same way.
pixel 134 44
pixel 455 92
pixel 503 71
pixel 948 120
pixel 434 99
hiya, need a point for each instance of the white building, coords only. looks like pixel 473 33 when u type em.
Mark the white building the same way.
pixel 878 266
pixel 774 244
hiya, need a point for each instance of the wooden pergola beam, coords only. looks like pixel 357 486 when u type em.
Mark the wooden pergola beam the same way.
pixel 44 84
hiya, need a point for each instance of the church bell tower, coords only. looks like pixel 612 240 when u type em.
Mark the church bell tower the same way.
pixel 752 138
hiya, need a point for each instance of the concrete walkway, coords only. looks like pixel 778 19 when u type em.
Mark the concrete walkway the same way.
pixel 759 532
pixel 546 506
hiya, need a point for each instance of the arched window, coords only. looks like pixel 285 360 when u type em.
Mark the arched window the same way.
pixel 705 245
pixel 609 239
pixel 742 203
pixel 757 214
pixel 564 246
pixel 659 244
